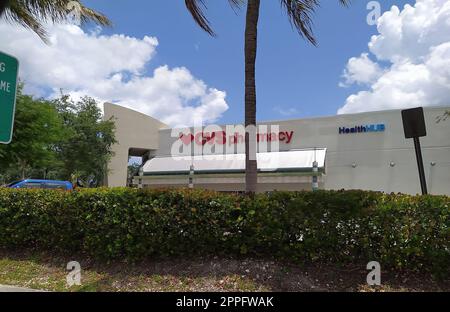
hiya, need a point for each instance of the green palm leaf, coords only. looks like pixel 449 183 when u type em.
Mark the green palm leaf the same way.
pixel 33 14
pixel 299 12
pixel 197 7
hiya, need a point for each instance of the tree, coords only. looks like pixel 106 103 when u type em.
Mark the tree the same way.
pixel 33 13
pixel 300 15
pixel 37 129
pixel 60 139
pixel 133 170
pixel 88 147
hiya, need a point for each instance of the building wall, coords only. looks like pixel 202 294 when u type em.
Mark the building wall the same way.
pixel 363 160
pixel 381 161
pixel 133 130
pixel 236 183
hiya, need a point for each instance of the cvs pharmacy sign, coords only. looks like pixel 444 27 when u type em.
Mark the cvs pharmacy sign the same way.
pixel 223 137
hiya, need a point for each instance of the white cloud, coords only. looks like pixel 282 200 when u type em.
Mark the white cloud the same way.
pixel 361 70
pixel 110 68
pixel 416 43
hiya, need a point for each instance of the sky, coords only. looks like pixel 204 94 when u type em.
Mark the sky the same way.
pixel 156 60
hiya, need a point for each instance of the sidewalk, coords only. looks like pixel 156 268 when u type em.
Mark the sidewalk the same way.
pixel 4 288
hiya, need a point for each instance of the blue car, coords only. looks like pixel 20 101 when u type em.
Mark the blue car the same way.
pixel 42 184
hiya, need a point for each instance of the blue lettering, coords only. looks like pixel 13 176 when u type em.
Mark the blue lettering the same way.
pixel 363 129
pixel 371 128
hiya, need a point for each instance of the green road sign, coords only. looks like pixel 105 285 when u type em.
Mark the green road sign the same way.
pixel 9 67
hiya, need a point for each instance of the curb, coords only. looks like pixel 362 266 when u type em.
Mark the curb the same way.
pixel 5 288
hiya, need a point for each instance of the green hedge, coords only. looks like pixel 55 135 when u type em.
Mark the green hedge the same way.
pixel 399 231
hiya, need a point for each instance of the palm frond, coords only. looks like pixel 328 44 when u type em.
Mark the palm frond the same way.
pixel 300 15
pixel 89 15
pixel 197 9
pixel 3 5
pixel 34 14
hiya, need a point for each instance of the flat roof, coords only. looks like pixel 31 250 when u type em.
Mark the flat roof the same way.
pixel 289 161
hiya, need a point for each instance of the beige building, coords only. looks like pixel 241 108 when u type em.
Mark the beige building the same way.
pixel 359 151
pixel 137 135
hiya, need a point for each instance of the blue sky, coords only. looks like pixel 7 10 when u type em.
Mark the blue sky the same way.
pixel 292 75
pixel 156 60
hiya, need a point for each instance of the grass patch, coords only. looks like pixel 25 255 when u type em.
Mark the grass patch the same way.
pixel 37 273
pixel 48 272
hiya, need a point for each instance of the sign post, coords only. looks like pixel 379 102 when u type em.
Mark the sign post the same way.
pixel 9 67
pixel 414 126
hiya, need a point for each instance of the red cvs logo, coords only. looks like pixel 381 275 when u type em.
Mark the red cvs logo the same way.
pixel 187 138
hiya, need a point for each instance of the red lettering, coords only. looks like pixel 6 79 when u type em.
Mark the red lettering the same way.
pixel 209 138
pixel 289 136
pixel 221 138
pixel 273 137
pixel 237 138
pixel 187 138
pixel 199 138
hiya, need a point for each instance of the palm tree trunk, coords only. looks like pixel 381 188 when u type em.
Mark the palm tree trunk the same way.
pixel 251 45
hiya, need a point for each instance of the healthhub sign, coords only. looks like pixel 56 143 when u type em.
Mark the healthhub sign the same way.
pixel 362 129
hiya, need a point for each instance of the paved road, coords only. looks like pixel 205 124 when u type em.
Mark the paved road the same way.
pixel 4 288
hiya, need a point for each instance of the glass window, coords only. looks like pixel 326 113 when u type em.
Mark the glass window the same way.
pixel 13 183
pixel 55 186
pixel 33 185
